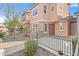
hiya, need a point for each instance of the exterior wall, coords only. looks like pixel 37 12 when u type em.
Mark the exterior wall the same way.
pixel 49 17
pixel 59 10
pixel 73 28
pixel 26 22
pixel 63 33
pixel 40 13
pixel 41 18
pixel 69 28
pixel 52 14
pixel 62 10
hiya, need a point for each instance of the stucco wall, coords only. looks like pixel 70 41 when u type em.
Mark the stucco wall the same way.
pixel 60 9
pixel 73 28
pixel 50 15
pixel 40 13
pixel 63 33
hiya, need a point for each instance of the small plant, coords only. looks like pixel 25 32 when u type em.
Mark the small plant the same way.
pixel 2 34
pixel 30 47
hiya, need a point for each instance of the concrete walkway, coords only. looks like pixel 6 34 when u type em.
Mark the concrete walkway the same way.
pixel 10 44
pixel 18 37
pixel 8 48
pixel 15 48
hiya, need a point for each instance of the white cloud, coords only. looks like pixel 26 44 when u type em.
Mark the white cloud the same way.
pixel 1 19
pixel 73 5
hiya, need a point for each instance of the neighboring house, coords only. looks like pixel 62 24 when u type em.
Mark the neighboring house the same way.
pixel 49 18
pixel 3 28
pixel 25 22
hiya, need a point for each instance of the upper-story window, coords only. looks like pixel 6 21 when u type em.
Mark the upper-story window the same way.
pixel 45 9
pixel 35 12
pixel 52 8
pixel 61 10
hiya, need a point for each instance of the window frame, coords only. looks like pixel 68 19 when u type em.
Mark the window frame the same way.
pixel 34 27
pixel 52 8
pixel 45 27
pixel 60 26
pixel 35 12
pixel 45 9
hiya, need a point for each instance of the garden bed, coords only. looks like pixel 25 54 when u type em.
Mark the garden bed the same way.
pixel 40 52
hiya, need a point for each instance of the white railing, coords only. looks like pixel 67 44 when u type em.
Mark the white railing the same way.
pixel 58 44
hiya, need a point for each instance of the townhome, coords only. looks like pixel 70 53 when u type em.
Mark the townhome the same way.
pixel 49 18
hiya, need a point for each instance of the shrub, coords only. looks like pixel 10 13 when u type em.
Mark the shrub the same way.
pixel 30 47
pixel 2 34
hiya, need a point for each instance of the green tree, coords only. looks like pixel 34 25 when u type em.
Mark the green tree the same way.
pixel 12 24
pixel 11 17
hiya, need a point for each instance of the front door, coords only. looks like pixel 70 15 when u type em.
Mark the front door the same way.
pixel 51 29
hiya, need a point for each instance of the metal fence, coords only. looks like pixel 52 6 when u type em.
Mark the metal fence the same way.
pixel 64 45
pixel 58 44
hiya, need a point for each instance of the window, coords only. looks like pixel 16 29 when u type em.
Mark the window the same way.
pixel 61 10
pixel 60 26
pixel 34 27
pixel 52 8
pixel 45 9
pixel 45 27
pixel 35 12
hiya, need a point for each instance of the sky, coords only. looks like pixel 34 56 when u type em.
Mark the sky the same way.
pixel 23 6
pixel 73 8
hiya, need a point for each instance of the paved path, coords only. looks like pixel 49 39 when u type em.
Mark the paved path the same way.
pixel 10 44
pixel 11 47
pixel 18 37
pixel 7 45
